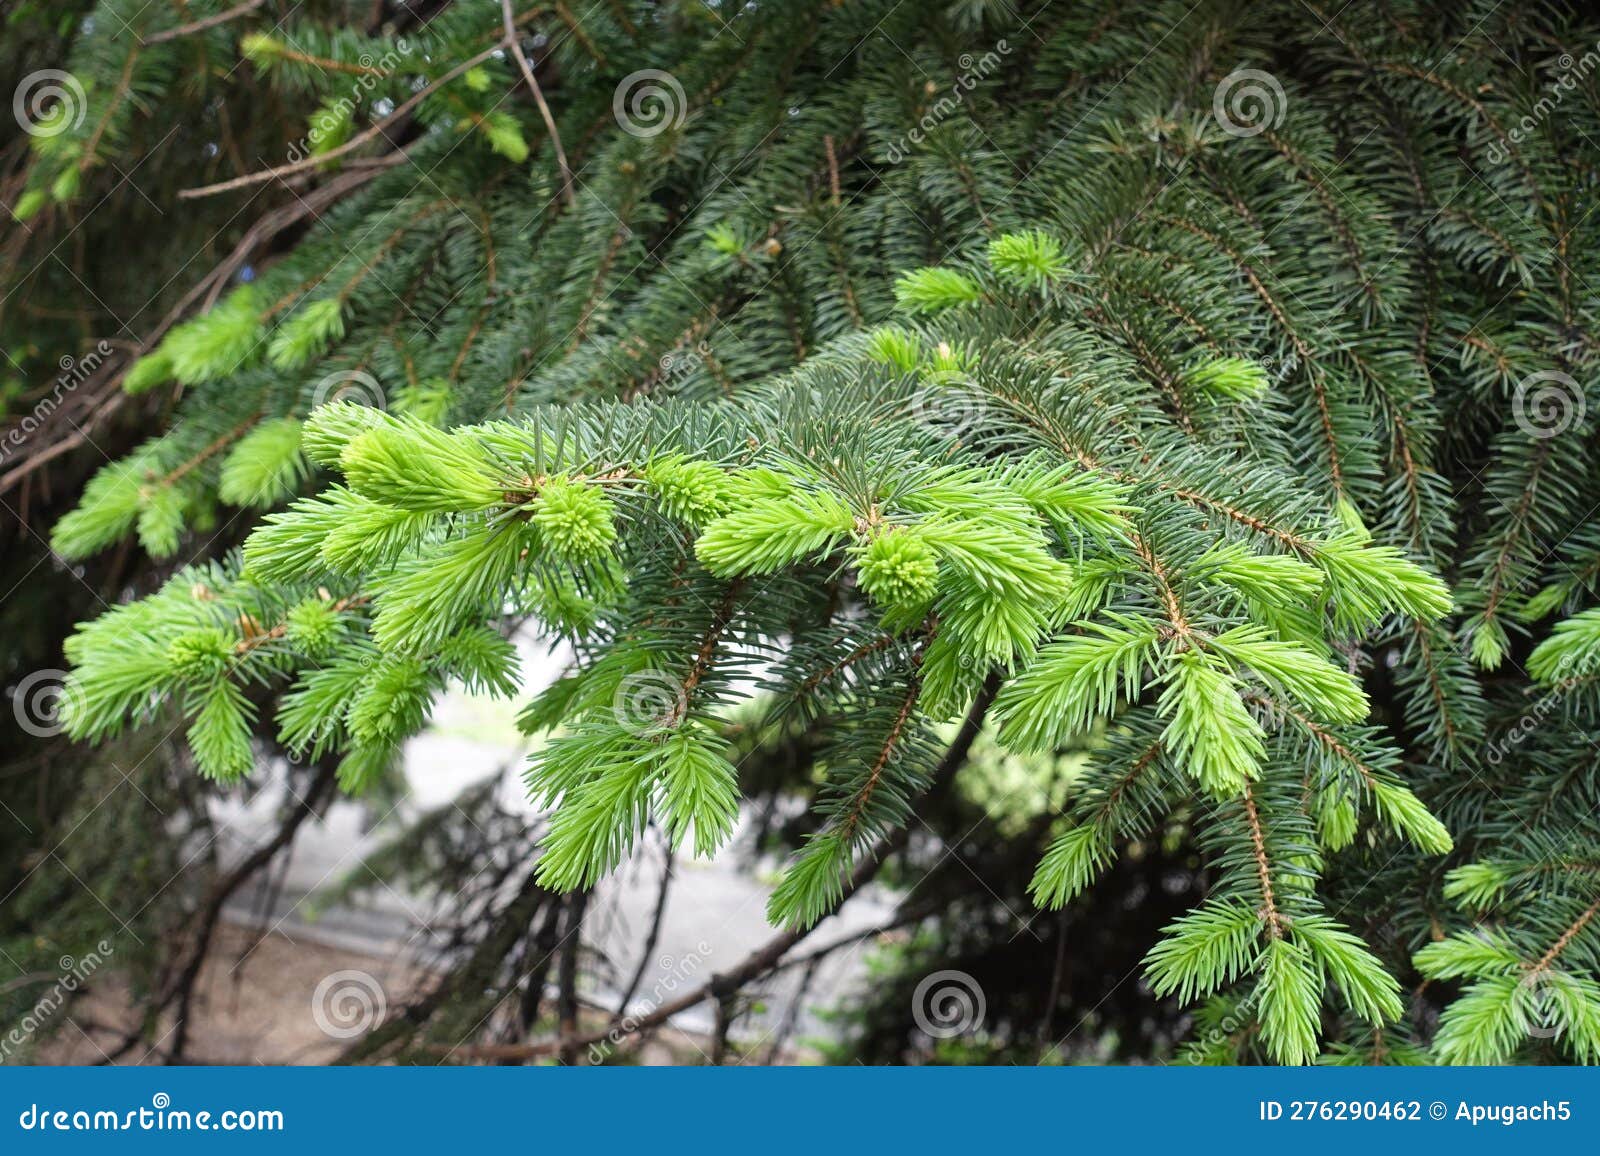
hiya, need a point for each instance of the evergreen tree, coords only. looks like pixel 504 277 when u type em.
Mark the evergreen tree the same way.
pixel 1199 388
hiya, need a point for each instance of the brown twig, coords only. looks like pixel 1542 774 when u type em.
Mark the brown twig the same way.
pixel 648 952
pixel 107 399
pixel 182 989
pixel 720 620
pixel 201 25
pixel 349 146
pixel 567 978
pixel 514 43
pixel 1566 939
pixel 1263 868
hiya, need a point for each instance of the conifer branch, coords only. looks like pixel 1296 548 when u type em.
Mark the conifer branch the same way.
pixel 865 650
pixel 208 451
pixel 91 148
pixel 1085 443
pixel 1258 845
pixel 1548 959
pixel 721 618
pixel 850 823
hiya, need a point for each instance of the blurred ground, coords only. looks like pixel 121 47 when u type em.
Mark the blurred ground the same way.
pixel 257 1003
pixel 257 995
pixel 254 1005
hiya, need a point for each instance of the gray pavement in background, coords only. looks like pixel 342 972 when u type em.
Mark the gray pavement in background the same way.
pixel 714 917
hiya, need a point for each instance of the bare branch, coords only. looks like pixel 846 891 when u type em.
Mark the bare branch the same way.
pixel 201 25
pixel 349 146
pixel 514 43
